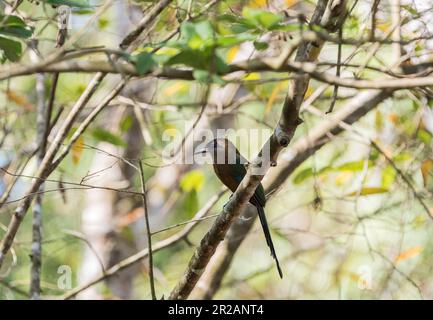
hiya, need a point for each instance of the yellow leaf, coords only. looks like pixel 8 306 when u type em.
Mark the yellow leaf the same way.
pixel 170 130
pixel 290 3
pixel 77 150
pixel 412 252
pixel 166 51
pixel 273 96
pixel 193 180
pixel 257 3
pixel 419 221
pixel 368 191
pixel 309 92
pixel 379 120
pixel 384 26
pixel 19 100
pixel 231 53
pixel 252 76
pixel 426 167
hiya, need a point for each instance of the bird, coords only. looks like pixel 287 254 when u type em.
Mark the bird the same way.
pixel 230 167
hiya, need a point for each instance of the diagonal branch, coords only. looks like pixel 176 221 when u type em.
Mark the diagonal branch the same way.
pixel 300 151
pixel 326 15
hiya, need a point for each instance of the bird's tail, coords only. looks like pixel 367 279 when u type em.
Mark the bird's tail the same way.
pixel 267 233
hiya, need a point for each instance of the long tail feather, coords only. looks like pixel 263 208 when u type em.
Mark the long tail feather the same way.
pixel 267 233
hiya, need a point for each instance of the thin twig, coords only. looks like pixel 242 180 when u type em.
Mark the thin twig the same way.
pixel 337 73
pixel 144 253
pixel 148 232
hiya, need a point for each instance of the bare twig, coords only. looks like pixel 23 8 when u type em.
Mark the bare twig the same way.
pixel 47 165
pixel 148 232
pixel 144 253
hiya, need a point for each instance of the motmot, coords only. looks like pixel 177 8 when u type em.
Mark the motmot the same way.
pixel 230 167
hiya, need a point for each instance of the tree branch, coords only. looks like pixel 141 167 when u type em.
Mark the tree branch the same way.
pixel 291 159
pixel 47 166
pixel 408 79
pixel 148 232
pixel 325 15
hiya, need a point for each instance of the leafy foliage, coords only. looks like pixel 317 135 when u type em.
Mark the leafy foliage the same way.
pixel 12 27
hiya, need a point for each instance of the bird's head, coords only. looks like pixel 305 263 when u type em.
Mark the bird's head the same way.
pixel 221 150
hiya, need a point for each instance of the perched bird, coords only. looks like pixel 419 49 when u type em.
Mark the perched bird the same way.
pixel 230 167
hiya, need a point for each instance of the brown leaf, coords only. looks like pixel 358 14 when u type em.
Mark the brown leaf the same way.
pixel 412 252
pixel 130 217
pixel 19 100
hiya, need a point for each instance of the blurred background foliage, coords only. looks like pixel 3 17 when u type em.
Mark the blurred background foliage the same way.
pixel 345 223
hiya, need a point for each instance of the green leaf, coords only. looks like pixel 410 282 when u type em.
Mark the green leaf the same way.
pixel 14 26
pixel 411 10
pixel 303 175
pixel 353 166
pixel 204 29
pixel 424 136
pixel 232 40
pixel 70 3
pixel 260 17
pixel 242 27
pixel 261 45
pixel 204 76
pixel 229 18
pixel 388 176
pixel 9 50
pixel 190 58
pixel 103 23
pixel 348 166
pixel 190 206
pixel 126 123
pixel 196 36
pixel 201 76
pixel 144 62
pixel 101 134
pixel 403 156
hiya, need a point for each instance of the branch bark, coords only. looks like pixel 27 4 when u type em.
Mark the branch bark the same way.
pixel 413 76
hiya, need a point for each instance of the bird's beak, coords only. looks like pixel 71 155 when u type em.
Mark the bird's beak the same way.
pixel 201 151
